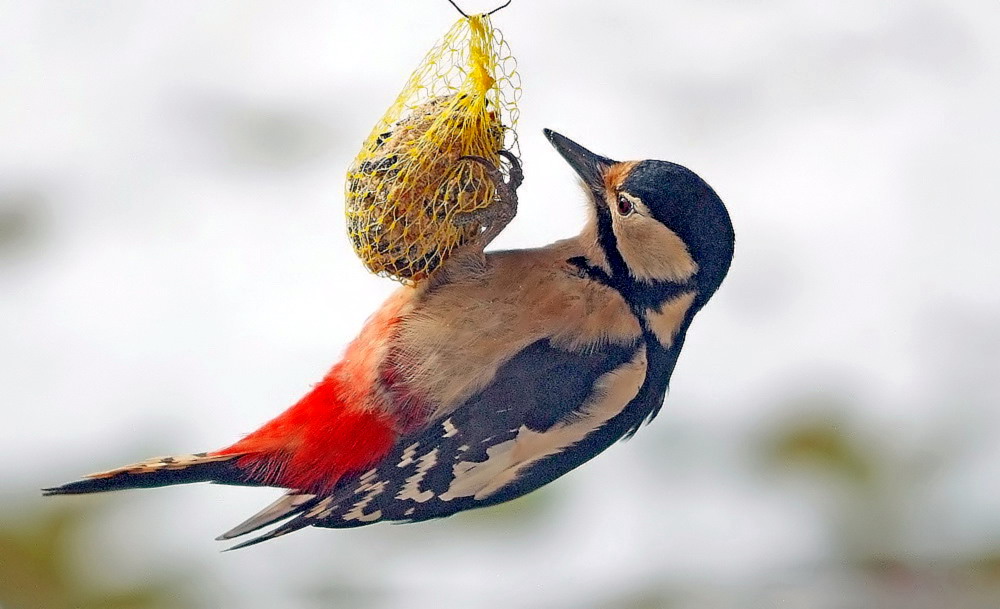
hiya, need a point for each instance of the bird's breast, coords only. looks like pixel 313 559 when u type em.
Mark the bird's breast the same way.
pixel 455 337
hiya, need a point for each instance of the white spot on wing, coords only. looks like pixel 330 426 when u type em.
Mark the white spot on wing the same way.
pixel 371 491
pixel 411 490
pixel 356 514
pixel 408 454
pixel 470 476
pixel 320 510
pixel 449 428
pixel 612 392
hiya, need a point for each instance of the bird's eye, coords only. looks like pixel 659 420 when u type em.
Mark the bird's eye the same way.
pixel 625 206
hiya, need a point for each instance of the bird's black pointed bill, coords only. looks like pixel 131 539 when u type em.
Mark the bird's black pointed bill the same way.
pixel 589 166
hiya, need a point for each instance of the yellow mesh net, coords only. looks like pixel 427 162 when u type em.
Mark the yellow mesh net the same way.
pixel 408 192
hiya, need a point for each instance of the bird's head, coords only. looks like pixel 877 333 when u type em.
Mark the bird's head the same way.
pixel 657 223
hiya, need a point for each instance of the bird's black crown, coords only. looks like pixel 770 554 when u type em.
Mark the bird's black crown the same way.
pixel 687 205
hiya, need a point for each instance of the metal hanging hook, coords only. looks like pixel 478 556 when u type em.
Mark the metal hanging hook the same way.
pixel 457 8
pixel 504 5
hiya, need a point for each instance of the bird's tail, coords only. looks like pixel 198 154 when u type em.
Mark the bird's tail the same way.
pixel 159 471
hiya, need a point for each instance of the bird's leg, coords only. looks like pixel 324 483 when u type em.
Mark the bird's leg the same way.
pixel 498 215
pixel 469 259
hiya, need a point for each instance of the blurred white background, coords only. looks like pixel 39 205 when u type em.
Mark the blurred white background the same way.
pixel 174 271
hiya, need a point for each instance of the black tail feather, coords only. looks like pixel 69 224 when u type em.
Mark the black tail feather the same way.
pixel 160 471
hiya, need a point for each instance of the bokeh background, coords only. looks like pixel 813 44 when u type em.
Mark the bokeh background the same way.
pixel 174 271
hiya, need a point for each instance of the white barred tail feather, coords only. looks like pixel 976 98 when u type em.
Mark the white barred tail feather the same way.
pixel 158 471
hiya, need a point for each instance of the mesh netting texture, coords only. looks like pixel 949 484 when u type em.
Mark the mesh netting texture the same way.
pixel 408 192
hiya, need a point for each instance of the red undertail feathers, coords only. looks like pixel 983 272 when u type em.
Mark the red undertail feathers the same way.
pixel 343 426
pixel 314 443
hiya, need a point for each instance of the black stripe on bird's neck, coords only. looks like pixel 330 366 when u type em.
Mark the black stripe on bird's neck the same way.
pixel 609 243
pixel 660 363
pixel 641 296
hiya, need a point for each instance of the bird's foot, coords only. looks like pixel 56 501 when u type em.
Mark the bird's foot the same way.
pixel 470 258
pixel 497 215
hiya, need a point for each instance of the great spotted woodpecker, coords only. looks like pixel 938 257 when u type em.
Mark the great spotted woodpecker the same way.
pixel 502 373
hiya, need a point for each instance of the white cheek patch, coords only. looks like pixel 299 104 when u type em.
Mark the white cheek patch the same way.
pixel 505 461
pixel 651 251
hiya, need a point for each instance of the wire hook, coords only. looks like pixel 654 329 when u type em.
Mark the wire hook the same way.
pixel 457 8
pixel 504 5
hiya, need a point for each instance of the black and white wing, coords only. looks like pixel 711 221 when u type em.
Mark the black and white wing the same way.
pixel 547 411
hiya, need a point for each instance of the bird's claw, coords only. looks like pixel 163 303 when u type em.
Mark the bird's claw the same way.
pixel 470 257
pixel 516 172
pixel 498 215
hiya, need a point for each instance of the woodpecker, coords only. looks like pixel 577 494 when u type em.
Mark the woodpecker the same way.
pixel 501 373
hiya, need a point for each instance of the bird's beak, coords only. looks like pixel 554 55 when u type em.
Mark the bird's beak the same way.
pixel 589 166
